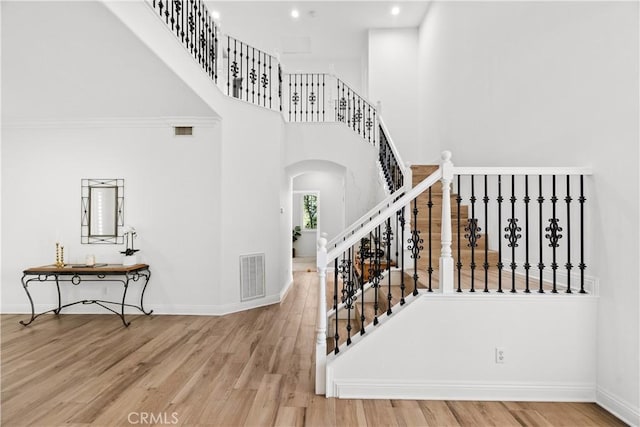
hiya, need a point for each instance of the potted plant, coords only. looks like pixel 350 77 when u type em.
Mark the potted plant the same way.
pixel 295 234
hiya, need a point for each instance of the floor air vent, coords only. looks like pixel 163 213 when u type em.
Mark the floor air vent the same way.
pixel 252 276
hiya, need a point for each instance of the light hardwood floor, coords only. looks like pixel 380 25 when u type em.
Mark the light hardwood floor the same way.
pixel 251 368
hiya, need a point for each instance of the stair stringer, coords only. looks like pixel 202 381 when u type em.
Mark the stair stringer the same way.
pixel 423 352
pixel 370 328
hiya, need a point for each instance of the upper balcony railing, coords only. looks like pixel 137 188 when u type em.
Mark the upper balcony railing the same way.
pixel 192 24
pixel 321 97
pixel 250 74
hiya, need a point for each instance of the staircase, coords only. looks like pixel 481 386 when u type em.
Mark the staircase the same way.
pixel 460 240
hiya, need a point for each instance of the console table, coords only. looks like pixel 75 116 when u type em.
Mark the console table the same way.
pixel 79 274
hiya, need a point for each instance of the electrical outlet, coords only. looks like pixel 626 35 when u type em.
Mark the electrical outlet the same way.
pixel 500 355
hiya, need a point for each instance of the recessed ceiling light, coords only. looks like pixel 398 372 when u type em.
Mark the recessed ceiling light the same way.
pixel 295 13
pixel 395 10
pixel 215 15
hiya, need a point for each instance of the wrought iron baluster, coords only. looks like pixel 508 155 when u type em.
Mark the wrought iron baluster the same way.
pixel 459 263
pixel 349 301
pixel 306 112
pixel 247 73
pixel 485 265
pixel 295 98
pixel 238 81
pixel 402 285
pixel 376 273
pixel 553 233
pixel 172 18
pixel 280 89
pixel 270 86
pixel 388 237
pixel 568 265
pixel 500 265
pixel 415 245
pixel 363 255
pixel 430 269
pixel 182 18
pixel 188 26
pixel 196 31
pixel 472 235
pixel 229 66
pixel 540 263
pixel 582 265
pixel 513 234
pixel 527 266
pixel 336 336
pixel 323 97
pixel 290 97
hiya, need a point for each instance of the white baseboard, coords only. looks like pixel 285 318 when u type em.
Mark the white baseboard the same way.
pixel 285 290
pixel 345 389
pixel 618 407
pixel 169 309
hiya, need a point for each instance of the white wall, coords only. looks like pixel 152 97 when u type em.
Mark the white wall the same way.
pixel 83 56
pixel 251 180
pixel 443 347
pixel 331 214
pixel 393 80
pixel 338 145
pixel 170 197
pixel 546 83
pixel 228 186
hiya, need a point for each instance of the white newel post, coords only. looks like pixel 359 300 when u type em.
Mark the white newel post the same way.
pixel 446 260
pixel 321 318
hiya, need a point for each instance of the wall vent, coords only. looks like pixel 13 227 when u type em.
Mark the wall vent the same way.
pixel 252 280
pixel 183 130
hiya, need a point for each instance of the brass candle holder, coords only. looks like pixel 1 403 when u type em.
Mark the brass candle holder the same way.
pixel 59 256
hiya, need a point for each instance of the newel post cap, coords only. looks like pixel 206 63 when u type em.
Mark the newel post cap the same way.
pixel 321 256
pixel 446 165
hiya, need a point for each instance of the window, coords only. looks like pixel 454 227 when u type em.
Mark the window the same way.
pixel 309 212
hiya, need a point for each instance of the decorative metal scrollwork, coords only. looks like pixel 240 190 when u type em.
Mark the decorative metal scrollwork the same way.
pixel 553 232
pixel 387 235
pixel 264 80
pixel 234 69
pixel 192 24
pixel 472 230
pixel 513 234
pixel 253 76
pixel 369 123
pixel 357 115
pixel 312 98
pixel 415 244
pixel 348 286
pixel 295 98
pixel 343 103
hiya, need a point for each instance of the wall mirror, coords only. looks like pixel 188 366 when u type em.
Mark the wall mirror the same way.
pixel 102 211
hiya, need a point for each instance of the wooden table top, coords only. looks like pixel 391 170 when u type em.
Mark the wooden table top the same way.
pixel 83 269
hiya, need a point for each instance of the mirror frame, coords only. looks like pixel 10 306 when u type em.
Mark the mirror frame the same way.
pixel 87 185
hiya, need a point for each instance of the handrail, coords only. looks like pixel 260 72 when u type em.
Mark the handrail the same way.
pixel 390 162
pixel 394 148
pixel 388 212
pixel 360 222
pixel 527 170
